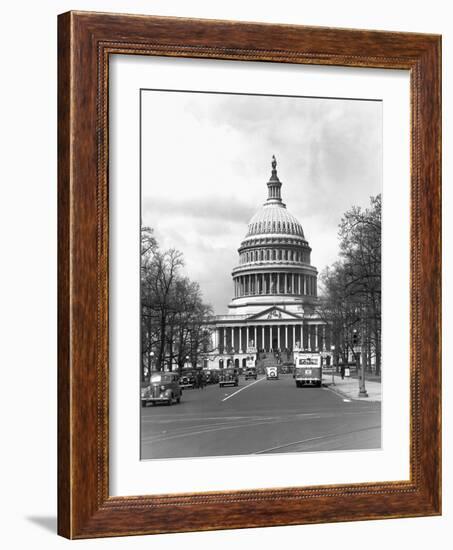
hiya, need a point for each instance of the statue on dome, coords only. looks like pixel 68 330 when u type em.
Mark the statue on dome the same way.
pixel 274 162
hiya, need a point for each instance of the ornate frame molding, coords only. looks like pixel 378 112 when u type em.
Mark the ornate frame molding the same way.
pixel 86 40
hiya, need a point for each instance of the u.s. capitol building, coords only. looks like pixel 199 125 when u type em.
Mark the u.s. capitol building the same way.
pixel 275 291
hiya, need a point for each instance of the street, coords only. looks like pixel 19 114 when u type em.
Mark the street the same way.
pixel 258 417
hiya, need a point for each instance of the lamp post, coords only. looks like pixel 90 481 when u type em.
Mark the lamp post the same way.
pixel 332 349
pixel 362 388
pixel 151 360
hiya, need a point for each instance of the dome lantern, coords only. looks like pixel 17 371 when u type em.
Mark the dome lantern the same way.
pixel 274 185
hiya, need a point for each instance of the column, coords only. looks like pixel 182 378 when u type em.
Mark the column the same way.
pixel 300 283
pixel 294 336
pixel 232 338
pixel 286 337
pixel 285 285
pixel 240 339
pixel 293 290
pixel 262 337
pixel 256 284
pixel 248 337
pixel 324 338
pixel 278 336
pixel 316 338
pixel 224 340
pixel 302 346
pixel 278 283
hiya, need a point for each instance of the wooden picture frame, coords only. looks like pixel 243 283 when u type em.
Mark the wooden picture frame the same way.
pixel 85 42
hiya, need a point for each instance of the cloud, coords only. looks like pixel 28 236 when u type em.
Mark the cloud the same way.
pixel 206 161
pixel 209 207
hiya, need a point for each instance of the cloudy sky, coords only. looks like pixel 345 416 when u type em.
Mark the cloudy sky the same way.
pixel 206 159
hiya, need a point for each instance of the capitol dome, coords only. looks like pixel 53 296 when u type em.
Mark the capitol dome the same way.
pixel 273 217
pixel 274 258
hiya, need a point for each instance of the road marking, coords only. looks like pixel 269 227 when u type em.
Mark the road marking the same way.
pixel 243 388
pixel 159 438
pixel 347 400
pixel 327 436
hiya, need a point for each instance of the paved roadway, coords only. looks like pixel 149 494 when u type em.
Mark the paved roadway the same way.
pixel 262 416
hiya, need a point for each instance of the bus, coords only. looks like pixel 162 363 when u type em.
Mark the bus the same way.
pixel 308 369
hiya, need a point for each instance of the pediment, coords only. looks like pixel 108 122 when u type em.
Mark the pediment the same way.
pixel 275 313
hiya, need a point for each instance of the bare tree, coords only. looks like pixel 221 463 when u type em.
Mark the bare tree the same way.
pixel 351 288
pixel 174 318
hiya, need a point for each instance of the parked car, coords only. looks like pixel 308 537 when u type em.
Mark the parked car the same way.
pixel 228 377
pixel 163 387
pixel 251 373
pixel 272 373
pixel 188 379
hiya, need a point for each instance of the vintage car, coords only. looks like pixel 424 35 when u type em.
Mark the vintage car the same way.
pixel 228 377
pixel 163 387
pixel 250 372
pixel 272 373
pixel 188 379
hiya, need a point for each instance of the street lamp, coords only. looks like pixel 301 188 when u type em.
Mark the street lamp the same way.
pixel 362 388
pixel 151 361
pixel 332 349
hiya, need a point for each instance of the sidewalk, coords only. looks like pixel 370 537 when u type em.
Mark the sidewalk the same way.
pixel 349 388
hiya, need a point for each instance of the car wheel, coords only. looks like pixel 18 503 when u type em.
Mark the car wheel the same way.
pixel 144 403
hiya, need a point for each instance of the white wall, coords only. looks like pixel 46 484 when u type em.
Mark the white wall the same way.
pixel 28 270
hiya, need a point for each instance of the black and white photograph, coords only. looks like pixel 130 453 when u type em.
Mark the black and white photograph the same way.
pixel 260 273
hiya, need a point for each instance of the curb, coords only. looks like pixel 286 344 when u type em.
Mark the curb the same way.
pixel 340 393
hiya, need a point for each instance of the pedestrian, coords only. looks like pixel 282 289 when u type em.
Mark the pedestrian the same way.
pixel 342 371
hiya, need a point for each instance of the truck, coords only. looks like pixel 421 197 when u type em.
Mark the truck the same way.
pixel 308 369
